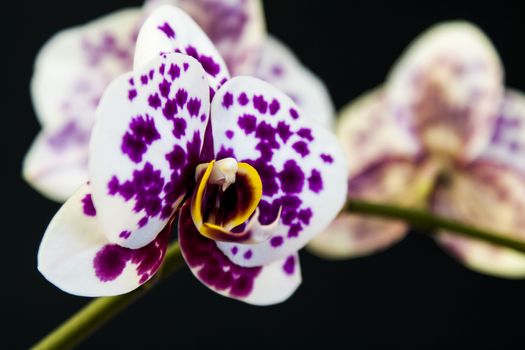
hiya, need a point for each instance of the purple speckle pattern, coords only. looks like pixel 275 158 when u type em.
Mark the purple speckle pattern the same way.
pixel 153 195
pixel 248 254
pixel 274 107
pixel 210 265
pixel 227 100
pixel 276 241
pixel 194 106
pixel 111 260
pixel 315 181
pixel 160 146
pixel 141 134
pixel 87 206
pixel 125 234
pixel 166 29
pixel 210 66
pixel 289 265
pixel 327 158
pixel 243 99
pixel 291 177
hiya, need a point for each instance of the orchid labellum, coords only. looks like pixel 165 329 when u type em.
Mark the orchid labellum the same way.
pixel 76 65
pixel 443 135
pixel 249 178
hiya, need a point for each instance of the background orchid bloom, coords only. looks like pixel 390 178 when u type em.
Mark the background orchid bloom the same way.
pixel 76 65
pixel 442 135
pixel 248 177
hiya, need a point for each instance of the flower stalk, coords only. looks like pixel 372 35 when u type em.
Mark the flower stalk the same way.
pixel 430 223
pixel 101 310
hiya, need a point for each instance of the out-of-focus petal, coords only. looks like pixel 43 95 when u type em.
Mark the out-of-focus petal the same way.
pixel 71 72
pixel 258 285
pixel 56 163
pixel 486 195
pixel 280 67
pixel 236 27
pixel 145 146
pixel 352 236
pixel 369 133
pixel 447 88
pixel 75 66
pixel 76 256
pixel 301 165
pixel 507 144
pixel 400 181
pixel 169 29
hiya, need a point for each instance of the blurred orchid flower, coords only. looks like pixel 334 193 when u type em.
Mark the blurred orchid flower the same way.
pixel 442 135
pixel 76 65
pixel 249 178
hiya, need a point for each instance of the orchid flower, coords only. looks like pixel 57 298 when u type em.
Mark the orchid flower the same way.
pixel 73 69
pixel 248 177
pixel 442 135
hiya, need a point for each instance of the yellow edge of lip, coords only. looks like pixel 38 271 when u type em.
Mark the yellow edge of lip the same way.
pixel 196 200
pixel 213 231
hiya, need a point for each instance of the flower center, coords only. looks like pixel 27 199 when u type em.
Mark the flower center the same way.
pixel 227 194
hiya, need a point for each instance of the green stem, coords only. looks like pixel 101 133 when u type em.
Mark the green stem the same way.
pixel 429 223
pixel 101 310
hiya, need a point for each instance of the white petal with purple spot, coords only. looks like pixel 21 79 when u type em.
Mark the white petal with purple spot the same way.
pixel 76 256
pixel 301 165
pixel 145 146
pixel 279 66
pixel 169 29
pixel 447 88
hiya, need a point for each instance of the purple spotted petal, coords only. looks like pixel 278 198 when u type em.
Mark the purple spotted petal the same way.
pixel 258 285
pixel 487 195
pixel 446 89
pixel 279 66
pixel 145 147
pixel 56 163
pixel 301 165
pixel 169 29
pixel 71 72
pixel 369 133
pixel 507 143
pixel 76 256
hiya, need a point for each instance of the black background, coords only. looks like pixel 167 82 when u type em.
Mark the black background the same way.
pixel 413 295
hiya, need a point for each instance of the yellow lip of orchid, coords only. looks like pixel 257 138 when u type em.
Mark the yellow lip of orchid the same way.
pixel 224 173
